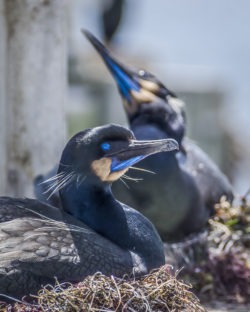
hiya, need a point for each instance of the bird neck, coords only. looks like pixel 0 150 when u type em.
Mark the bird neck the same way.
pixel 95 205
pixel 148 131
pixel 152 124
pixel 162 161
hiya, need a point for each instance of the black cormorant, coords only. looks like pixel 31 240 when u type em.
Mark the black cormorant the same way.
pixel 94 232
pixel 181 196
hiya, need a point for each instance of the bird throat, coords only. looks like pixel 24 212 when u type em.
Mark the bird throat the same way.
pixel 97 208
pixel 101 168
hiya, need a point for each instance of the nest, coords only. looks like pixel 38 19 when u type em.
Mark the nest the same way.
pixel 225 274
pixel 158 291
pixel 229 252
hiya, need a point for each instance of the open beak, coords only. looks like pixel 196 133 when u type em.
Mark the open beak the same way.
pixel 138 150
pixel 122 75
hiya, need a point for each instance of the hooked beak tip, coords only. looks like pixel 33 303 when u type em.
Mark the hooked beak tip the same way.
pixel 172 145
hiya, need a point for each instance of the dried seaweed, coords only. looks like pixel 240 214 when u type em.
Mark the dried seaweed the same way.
pixel 226 273
pixel 158 291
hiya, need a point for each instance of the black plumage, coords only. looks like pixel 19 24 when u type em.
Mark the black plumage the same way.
pixel 93 231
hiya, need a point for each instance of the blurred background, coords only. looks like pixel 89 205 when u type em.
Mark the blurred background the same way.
pixel 198 49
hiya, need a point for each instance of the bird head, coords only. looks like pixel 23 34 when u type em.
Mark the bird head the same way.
pixel 105 153
pixel 143 94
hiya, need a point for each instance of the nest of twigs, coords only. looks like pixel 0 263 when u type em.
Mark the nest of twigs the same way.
pixel 226 272
pixel 217 261
pixel 158 291
pixel 229 254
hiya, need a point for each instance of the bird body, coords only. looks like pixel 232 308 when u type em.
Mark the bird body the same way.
pixel 170 197
pixel 40 242
pixel 212 183
pixel 93 231
pixel 43 243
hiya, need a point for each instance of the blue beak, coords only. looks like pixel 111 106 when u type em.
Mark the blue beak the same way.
pixel 123 76
pixel 120 165
pixel 138 150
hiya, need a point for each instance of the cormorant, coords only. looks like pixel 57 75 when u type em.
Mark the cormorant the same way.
pixel 180 198
pixel 94 232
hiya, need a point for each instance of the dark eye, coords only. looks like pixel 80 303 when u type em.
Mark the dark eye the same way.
pixel 105 146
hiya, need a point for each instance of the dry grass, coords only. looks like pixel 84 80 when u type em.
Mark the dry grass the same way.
pixel 225 274
pixel 158 291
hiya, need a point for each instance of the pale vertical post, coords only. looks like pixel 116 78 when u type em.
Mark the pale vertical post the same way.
pixel 36 89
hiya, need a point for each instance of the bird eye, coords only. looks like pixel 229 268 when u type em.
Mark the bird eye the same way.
pixel 105 146
pixel 141 72
pixel 145 74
